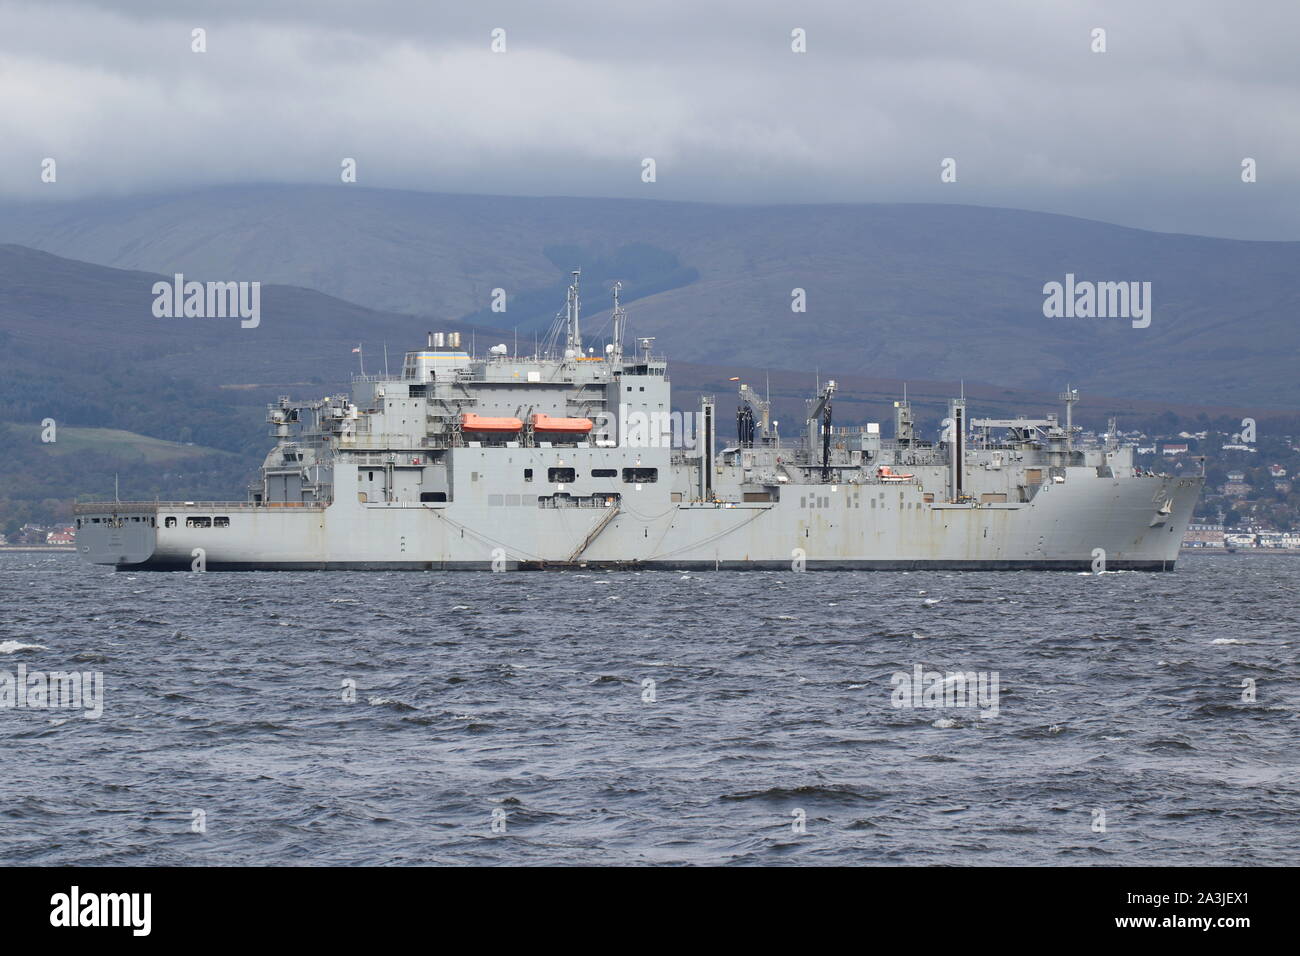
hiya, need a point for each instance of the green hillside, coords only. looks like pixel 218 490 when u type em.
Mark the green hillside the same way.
pixel 39 480
pixel 126 448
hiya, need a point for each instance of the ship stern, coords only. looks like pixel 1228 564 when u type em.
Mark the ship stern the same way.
pixel 116 534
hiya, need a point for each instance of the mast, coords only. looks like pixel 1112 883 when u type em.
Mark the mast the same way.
pixel 904 431
pixel 616 353
pixel 573 329
pixel 1069 396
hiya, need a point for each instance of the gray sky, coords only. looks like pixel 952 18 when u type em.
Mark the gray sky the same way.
pixel 1151 133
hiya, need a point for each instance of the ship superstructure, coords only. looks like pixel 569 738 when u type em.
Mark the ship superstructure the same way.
pixel 571 457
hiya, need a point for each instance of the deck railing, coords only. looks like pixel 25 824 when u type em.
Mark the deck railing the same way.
pixel 148 507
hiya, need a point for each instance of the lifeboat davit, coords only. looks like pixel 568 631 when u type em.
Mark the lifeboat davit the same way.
pixel 470 422
pixel 885 473
pixel 545 423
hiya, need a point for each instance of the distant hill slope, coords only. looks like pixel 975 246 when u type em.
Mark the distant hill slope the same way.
pixel 898 291
pixel 79 343
pixel 126 447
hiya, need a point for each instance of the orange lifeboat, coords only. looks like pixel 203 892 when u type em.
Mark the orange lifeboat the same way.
pixel 470 422
pixel 545 423
pixel 886 473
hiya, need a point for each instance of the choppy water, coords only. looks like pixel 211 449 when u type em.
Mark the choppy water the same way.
pixel 522 693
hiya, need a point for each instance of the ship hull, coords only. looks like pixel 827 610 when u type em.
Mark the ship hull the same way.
pixel 938 564
pixel 1082 524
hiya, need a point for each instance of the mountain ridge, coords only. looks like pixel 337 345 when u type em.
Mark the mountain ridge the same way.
pixel 943 292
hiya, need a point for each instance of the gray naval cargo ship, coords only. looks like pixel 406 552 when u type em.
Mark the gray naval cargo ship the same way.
pixel 572 458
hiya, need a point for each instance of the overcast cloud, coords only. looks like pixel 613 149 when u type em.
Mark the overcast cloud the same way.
pixel 1151 133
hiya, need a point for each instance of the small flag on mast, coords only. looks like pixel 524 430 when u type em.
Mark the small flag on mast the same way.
pixel 357 349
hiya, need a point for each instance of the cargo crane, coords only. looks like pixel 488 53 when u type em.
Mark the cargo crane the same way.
pixel 819 419
pixel 747 428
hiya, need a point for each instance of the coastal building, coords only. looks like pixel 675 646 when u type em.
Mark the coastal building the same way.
pixel 1236 485
pixel 30 534
pixel 1203 536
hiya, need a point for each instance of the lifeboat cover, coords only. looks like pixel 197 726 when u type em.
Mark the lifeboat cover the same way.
pixel 545 423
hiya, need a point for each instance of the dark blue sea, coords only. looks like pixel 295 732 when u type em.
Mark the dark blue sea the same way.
pixel 478 718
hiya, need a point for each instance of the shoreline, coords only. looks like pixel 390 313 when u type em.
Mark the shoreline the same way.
pixel 1225 552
